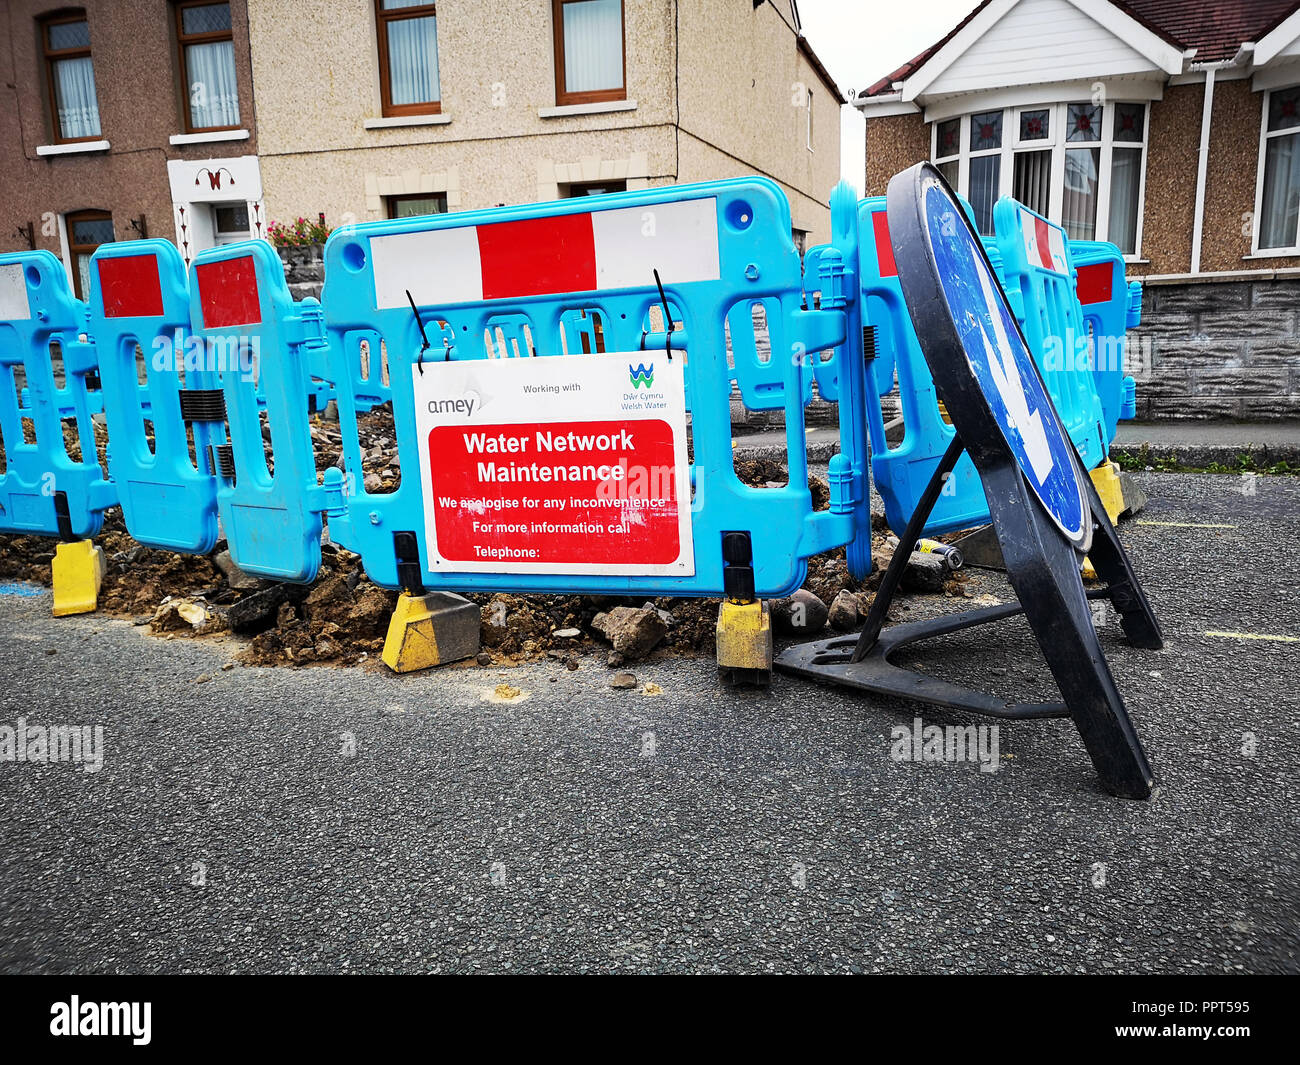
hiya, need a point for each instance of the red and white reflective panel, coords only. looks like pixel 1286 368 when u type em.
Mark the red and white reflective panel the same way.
pixel 596 250
pixel 13 294
pixel 129 286
pixel 884 245
pixel 1044 243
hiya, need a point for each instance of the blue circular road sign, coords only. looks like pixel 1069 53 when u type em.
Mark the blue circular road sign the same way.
pixel 1000 362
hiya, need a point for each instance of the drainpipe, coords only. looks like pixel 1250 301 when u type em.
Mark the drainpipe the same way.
pixel 1202 163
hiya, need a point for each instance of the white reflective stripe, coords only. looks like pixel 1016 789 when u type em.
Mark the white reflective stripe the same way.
pixel 437 265
pixel 1056 239
pixel 680 240
pixel 13 293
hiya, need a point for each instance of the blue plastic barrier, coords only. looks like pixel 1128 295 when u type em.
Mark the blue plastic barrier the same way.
pixel 1111 306
pixel 893 355
pixel 582 279
pixel 45 490
pixel 264 343
pixel 139 317
pixel 1038 276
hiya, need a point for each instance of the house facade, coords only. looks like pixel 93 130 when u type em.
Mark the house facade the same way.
pixel 131 118
pixel 377 108
pixel 1170 129
pixel 202 121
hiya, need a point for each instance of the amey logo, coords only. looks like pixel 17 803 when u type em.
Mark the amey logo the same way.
pixel 641 376
pixel 465 405
pixel 103 1018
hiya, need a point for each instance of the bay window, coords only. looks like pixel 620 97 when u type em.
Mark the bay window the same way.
pixel 1279 186
pixel 1080 164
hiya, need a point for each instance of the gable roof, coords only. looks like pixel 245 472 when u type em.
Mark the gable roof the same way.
pixel 1215 29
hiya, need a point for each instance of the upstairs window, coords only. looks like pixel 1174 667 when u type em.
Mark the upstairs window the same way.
pixel 408 57
pixel 1279 187
pixel 74 106
pixel 589 64
pixel 207 58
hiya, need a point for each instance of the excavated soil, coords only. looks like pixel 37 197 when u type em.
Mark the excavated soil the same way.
pixel 342 618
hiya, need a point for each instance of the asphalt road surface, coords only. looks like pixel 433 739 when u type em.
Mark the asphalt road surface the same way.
pixel 232 828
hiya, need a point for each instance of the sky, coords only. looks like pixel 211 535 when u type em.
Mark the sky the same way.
pixel 860 41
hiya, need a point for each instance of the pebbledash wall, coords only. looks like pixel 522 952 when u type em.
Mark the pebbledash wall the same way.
pixel 713 90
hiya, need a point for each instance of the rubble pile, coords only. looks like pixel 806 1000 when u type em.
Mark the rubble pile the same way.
pixel 342 618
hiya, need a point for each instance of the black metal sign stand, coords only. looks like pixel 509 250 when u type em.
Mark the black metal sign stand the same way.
pixel 1043 568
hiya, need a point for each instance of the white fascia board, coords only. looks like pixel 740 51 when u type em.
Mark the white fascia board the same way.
pixel 1271 44
pixel 921 78
pixel 1168 57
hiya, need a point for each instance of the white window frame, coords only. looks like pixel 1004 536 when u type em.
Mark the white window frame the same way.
pixel 1056 142
pixel 1264 136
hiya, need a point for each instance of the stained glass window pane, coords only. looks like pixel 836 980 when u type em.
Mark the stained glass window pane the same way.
pixel 210 18
pixel 986 131
pixel 1130 121
pixel 69 35
pixel 92 231
pixel 1035 125
pixel 1284 109
pixel 1083 123
pixel 948 139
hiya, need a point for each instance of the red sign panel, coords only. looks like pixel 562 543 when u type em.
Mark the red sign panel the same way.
pixel 228 292
pixel 129 286
pixel 537 255
pixel 1094 284
pixel 588 493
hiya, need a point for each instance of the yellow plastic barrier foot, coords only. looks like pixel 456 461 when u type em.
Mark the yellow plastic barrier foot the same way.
pixel 745 643
pixel 78 574
pixel 431 630
pixel 1118 490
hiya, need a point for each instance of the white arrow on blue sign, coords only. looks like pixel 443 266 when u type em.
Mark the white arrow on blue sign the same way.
pixel 1004 369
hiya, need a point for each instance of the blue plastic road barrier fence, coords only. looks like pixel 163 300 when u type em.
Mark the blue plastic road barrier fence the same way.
pixel 892 355
pixel 270 499
pixel 44 489
pixel 546 281
pixel 156 375
pixel 1111 307
pixel 1038 277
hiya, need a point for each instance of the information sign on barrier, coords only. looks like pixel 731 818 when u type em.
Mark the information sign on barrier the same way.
pixel 570 464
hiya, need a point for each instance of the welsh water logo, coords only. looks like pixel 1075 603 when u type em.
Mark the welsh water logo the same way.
pixel 641 376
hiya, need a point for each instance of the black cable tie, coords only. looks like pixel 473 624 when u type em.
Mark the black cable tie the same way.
pixel 419 359
pixel 668 318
